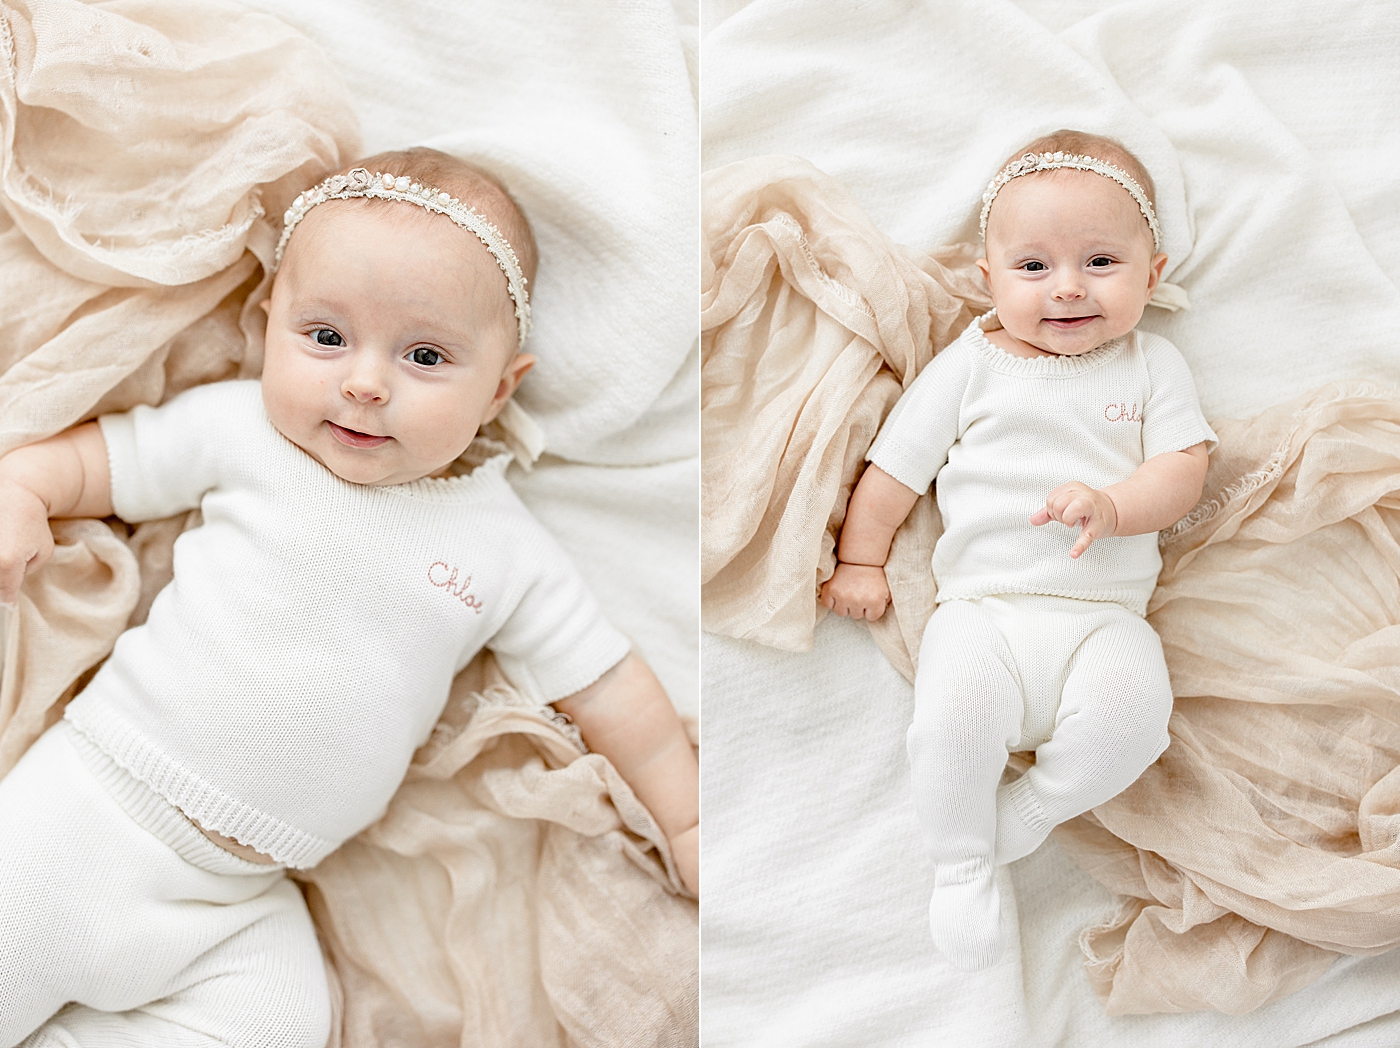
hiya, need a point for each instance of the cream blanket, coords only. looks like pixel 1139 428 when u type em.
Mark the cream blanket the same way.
pixel 515 892
pixel 1265 839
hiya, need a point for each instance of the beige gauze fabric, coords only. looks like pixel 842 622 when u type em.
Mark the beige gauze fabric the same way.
pixel 812 324
pixel 515 893
pixel 1264 842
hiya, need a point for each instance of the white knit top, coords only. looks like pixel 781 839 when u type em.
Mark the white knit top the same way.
pixel 304 649
pixel 1000 432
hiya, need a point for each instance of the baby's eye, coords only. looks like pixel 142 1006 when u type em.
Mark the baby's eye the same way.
pixel 328 337
pixel 1101 261
pixel 425 356
pixel 1033 267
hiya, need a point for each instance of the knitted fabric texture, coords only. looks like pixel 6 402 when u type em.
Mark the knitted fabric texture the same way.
pixel 1001 432
pixel 305 648
pixel 96 872
pixel 1083 683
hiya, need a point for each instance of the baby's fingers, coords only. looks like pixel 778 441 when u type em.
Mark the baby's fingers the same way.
pixel 11 577
pixel 1092 529
pixel 876 609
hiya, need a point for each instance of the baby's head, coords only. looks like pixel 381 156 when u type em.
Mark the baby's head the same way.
pixel 1071 255
pixel 394 332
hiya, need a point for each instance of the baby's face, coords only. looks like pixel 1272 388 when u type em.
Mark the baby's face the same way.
pixel 1069 261
pixel 390 340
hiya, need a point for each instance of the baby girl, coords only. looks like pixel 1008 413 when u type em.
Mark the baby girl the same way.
pixel 1050 410
pixel 344 572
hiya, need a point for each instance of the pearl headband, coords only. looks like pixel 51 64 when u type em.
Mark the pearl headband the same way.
pixel 383 186
pixel 1033 162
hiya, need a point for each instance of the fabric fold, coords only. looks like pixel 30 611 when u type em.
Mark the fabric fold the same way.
pixel 812 324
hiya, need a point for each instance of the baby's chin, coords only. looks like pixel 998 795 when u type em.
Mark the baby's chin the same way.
pixel 370 467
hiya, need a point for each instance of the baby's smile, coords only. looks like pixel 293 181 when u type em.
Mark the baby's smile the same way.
pixel 354 438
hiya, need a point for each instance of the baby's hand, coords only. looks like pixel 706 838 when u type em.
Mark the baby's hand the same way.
pixel 26 542
pixel 1076 503
pixel 857 590
pixel 685 849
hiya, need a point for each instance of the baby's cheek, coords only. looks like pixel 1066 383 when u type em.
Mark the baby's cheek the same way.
pixel 289 389
pixel 449 423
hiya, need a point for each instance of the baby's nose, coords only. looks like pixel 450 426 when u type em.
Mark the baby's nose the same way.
pixel 366 384
pixel 1068 287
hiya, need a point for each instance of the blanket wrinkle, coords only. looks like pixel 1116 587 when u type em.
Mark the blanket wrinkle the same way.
pixel 515 891
pixel 812 324
pixel 1266 839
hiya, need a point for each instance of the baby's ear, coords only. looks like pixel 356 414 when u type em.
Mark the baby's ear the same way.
pixel 986 269
pixel 266 305
pixel 518 367
pixel 1154 272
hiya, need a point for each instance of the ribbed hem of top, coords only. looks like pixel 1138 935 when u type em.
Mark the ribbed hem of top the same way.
pixel 203 802
pixel 1134 600
pixel 155 814
pixel 1000 360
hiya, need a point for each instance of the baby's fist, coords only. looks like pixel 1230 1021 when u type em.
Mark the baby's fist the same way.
pixel 857 590
pixel 685 849
pixel 26 542
pixel 1076 503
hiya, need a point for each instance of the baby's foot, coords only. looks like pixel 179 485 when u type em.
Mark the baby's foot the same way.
pixel 1021 822
pixel 964 914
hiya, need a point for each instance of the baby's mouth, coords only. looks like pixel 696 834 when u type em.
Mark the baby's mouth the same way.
pixel 354 438
pixel 1069 323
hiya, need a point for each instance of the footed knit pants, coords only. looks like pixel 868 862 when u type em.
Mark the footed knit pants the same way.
pixel 1083 683
pixel 122 925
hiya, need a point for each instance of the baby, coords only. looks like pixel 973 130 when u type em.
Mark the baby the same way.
pixel 1051 408
pixel 270 705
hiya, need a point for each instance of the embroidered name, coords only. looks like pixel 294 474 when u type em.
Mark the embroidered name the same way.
pixel 1122 413
pixel 444 577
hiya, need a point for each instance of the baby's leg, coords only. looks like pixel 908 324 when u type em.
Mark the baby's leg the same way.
pixel 968 707
pixel 262 988
pixel 1111 724
pixel 109 898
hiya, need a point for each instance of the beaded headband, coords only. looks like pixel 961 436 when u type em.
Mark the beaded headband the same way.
pixel 1030 163
pixel 383 186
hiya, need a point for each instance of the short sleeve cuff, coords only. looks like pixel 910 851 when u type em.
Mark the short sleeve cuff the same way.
pixel 903 464
pixel 1178 438
pixel 553 678
pixel 119 434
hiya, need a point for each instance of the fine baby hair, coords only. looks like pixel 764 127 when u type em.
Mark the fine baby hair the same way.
pixel 1050 413
pixel 436 182
pixel 1101 147
pixel 1034 161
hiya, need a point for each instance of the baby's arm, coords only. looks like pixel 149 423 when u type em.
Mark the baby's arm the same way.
pixel 878 506
pixel 1159 493
pixel 64 476
pixel 626 716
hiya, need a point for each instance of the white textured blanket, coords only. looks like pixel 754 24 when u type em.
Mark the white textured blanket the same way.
pixel 1269 136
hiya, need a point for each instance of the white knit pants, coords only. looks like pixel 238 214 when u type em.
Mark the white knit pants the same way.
pixel 122 925
pixel 1083 683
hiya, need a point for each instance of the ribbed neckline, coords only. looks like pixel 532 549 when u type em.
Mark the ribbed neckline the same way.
pixel 1006 363
pixel 486 475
